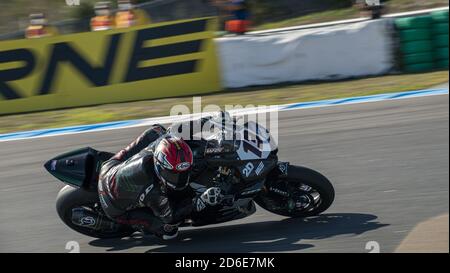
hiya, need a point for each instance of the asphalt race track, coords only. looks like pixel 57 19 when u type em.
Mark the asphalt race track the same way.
pixel 388 161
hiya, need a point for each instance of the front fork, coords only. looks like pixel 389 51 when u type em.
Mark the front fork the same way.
pixel 274 182
pixel 277 185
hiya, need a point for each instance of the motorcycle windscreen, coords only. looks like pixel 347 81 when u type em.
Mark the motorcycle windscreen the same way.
pixel 74 168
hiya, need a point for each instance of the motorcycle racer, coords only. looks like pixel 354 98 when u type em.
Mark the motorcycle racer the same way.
pixel 170 178
pixel 146 184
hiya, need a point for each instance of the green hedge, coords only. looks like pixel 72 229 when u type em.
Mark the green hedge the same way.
pixel 409 35
pixel 413 22
pixel 441 53
pixel 417 47
pixel 442 64
pixel 426 57
pixel 440 40
pixel 440 16
pixel 424 41
pixel 440 28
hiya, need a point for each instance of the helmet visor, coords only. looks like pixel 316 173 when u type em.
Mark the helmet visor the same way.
pixel 175 180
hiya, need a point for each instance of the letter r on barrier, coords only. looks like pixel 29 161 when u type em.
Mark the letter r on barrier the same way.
pixel 15 55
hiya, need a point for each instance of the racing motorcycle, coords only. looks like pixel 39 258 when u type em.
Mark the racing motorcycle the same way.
pixel 242 162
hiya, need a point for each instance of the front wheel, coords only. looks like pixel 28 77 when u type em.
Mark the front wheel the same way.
pixel 303 193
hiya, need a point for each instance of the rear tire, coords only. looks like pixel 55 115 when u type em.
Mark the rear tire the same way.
pixel 310 178
pixel 69 198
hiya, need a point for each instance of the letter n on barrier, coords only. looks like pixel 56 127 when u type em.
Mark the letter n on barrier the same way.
pixel 15 55
pixel 63 52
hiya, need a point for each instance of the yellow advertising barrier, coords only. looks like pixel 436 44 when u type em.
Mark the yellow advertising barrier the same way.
pixel 146 62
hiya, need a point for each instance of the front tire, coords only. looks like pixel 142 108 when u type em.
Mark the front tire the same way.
pixel 298 175
pixel 69 198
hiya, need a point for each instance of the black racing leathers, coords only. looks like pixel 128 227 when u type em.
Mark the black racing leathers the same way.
pixel 131 193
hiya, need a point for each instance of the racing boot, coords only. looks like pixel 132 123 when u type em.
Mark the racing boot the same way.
pixel 89 219
pixel 167 232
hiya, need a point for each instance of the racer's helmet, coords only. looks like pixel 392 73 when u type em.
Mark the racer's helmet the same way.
pixel 173 160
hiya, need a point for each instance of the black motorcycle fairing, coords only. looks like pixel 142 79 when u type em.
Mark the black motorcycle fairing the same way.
pixel 79 168
pixel 256 169
pixel 241 208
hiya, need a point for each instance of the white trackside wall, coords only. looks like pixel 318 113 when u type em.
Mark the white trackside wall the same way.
pixel 325 53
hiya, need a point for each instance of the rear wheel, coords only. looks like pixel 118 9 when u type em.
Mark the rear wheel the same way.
pixel 70 198
pixel 303 193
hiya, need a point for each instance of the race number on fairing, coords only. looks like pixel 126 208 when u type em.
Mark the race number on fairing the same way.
pixel 255 142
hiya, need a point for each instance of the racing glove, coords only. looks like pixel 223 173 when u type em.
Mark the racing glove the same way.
pixel 211 197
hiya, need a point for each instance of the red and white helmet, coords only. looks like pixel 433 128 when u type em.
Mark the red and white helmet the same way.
pixel 173 162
